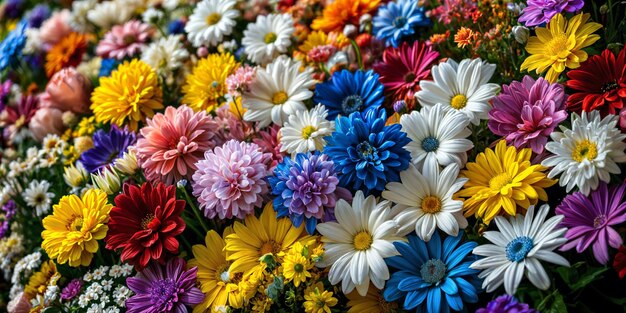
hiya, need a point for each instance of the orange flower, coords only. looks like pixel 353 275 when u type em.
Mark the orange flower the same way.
pixel 464 37
pixel 438 39
pixel 68 52
pixel 342 12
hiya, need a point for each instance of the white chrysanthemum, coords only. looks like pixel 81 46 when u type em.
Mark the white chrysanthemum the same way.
pixel 437 135
pixel 108 13
pixel 38 197
pixel 305 131
pixel 278 91
pixel 423 201
pixel 210 21
pixel 463 87
pixel 587 153
pixel 78 17
pixel 517 249
pixel 33 41
pixel 357 243
pixel 166 54
pixel 90 68
pixel 268 37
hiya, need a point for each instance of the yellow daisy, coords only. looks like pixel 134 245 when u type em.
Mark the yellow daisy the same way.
pixel 207 83
pixel 72 232
pixel 559 45
pixel 131 92
pixel 503 179
pixel 318 300
pixel 320 38
pixel 39 281
pixel 373 302
pixel 296 264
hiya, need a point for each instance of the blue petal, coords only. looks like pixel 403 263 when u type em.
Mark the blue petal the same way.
pixel 434 300
pixel 414 298
pixel 449 286
pixel 455 302
pixel 412 283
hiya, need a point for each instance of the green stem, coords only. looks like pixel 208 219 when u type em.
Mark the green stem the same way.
pixel 357 51
pixel 195 210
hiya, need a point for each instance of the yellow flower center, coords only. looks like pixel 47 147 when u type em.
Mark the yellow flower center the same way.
pixel 458 102
pixel 146 221
pixel 76 224
pixel 497 182
pixel 557 45
pixel 584 150
pixel 431 204
pixel 307 131
pixel 213 18
pixel 279 98
pixel 270 38
pixel 269 247
pixel 363 240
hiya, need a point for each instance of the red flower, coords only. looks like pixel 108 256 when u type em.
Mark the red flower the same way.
pixel 619 263
pixel 145 222
pixel 599 84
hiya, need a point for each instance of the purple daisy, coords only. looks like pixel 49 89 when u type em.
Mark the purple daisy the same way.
pixel 72 289
pixel 168 288
pixel 506 304
pixel 107 147
pixel 9 209
pixel 589 220
pixel 538 12
pixel 527 112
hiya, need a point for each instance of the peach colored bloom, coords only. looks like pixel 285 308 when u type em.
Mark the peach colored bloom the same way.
pixel 67 90
pixel 46 121
pixel 55 28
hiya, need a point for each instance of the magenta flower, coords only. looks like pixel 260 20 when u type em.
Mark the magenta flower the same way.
pixel 72 289
pixel 589 220
pixel 526 112
pixel 124 40
pixel 538 12
pixel 230 180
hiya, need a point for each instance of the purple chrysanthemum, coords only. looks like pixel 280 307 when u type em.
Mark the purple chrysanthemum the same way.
pixel 538 12
pixel 230 181
pixel 168 288
pixel 527 112
pixel 589 220
pixel 9 209
pixel 72 289
pixel 506 304
pixel 5 92
pixel 38 15
pixel 306 189
pixel 107 147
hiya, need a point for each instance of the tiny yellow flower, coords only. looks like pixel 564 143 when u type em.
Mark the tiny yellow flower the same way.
pixel 319 300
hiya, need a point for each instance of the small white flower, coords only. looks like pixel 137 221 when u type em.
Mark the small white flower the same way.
pixel 305 131
pixel 268 37
pixel 88 277
pixel 152 16
pixel 211 21
pixel 518 246
pixel 78 17
pixel 588 153
pixel 38 197
pixel 166 54
pixel 107 284
pixel 121 294
pixel 116 271
pixel 127 269
pixel 108 13
pixel 33 41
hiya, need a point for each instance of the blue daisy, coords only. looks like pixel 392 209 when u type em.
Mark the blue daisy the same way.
pixel 346 92
pixel 432 277
pixel 107 147
pixel 11 47
pixel 397 20
pixel 107 66
pixel 366 152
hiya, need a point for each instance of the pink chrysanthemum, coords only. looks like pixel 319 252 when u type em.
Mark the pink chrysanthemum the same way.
pixel 239 81
pixel 404 67
pixel 269 141
pixel 173 142
pixel 230 180
pixel 231 126
pixel 124 40
pixel 527 112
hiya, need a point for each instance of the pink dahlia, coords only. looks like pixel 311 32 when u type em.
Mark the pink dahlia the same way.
pixel 269 141
pixel 231 125
pixel 173 142
pixel 230 181
pixel 124 40
pixel 526 112
pixel 404 67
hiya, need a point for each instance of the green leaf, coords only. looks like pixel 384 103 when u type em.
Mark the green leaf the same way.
pixel 558 305
pixel 592 274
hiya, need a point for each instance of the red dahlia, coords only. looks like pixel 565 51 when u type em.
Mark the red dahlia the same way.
pixel 599 84
pixel 145 222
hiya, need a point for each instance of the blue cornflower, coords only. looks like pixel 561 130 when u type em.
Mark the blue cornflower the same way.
pixel 107 147
pixel 366 151
pixel 107 66
pixel 306 189
pixel 432 277
pixel 348 92
pixel 38 15
pixel 397 20
pixel 11 47
pixel 176 27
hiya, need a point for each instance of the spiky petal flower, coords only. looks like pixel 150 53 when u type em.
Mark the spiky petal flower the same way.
pixel 107 148
pixel 538 12
pixel 398 19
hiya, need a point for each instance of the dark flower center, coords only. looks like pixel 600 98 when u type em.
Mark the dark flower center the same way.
pixel 298 268
pixel 399 22
pixel 145 222
pixel 164 293
pixel 609 86
pixel 433 271
pixel 430 144
pixel 518 248
pixel 366 151
pixel 599 221
pixel 129 39
pixel 351 104
pixel 409 77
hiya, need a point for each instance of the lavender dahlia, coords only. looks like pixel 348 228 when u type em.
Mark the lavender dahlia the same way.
pixel 506 304
pixel 538 12
pixel 168 288
pixel 306 189
pixel 526 112
pixel 589 220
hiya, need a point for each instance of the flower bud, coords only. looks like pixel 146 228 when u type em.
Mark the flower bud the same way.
pixel 107 180
pixel 350 30
pixel 521 34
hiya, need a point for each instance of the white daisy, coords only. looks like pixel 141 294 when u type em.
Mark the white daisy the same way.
pixel 462 87
pixel 278 91
pixel 305 131
pixel 587 153
pixel 437 135
pixel 358 242
pixel 38 197
pixel 519 245
pixel 211 21
pixel 108 13
pixel 423 201
pixel 166 54
pixel 268 37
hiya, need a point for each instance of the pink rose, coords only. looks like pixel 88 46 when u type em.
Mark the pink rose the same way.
pixel 67 90
pixel 55 28
pixel 46 121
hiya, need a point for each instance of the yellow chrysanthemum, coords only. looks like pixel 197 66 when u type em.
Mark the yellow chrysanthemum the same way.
pixel 296 264
pixel 319 38
pixel 318 300
pixel 39 281
pixel 131 92
pixel 342 12
pixel 260 236
pixel 72 232
pixel 503 179
pixel 207 82
pixel 559 45
pixel 373 302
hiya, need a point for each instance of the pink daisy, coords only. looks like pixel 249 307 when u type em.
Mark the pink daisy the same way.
pixel 124 40
pixel 173 142
pixel 230 180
